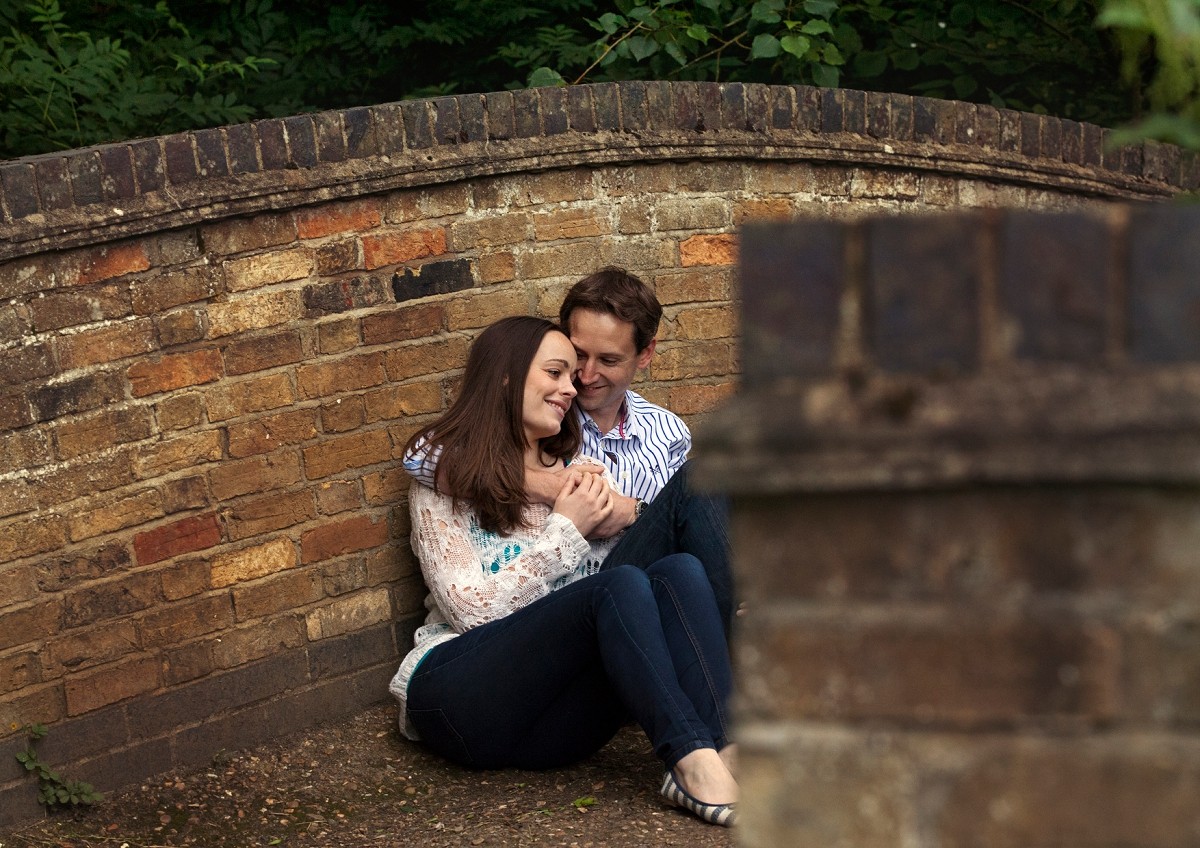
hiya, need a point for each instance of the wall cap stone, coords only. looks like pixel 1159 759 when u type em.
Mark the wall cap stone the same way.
pixel 97 194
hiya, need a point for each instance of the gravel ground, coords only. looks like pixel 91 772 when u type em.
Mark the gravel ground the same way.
pixel 359 783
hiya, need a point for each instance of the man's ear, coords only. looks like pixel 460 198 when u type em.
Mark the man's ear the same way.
pixel 646 354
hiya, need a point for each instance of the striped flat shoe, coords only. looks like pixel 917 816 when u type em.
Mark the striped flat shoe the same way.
pixel 722 814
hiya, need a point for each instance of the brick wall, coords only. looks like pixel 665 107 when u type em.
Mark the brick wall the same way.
pixel 214 345
pixel 966 521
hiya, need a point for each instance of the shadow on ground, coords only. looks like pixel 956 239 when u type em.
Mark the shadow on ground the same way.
pixel 357 783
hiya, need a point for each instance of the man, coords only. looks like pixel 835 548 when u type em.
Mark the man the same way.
pixel 612 318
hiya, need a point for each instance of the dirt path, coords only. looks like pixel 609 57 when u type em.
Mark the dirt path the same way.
pixel 358 783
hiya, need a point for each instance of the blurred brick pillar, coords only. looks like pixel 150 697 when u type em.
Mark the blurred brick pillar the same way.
pixel 964 464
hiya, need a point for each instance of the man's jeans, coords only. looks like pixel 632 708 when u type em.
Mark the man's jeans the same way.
pixel 679 520
pixel 552 682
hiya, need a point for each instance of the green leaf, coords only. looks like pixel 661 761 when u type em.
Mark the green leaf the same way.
pixel 585 801
pixel 825 76
pixel 870 63
pixel 906 60
pixel 832 55
pixel 821 8
pixel 797 45
pixel 675 52
pixel 698 32
pixel 817 27
pixel 964 86
pixel 642 47
pixel 767 11
pixel 765 46
pixel 545 77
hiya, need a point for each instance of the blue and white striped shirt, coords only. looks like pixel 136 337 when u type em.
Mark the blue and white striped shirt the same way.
pixel 645 448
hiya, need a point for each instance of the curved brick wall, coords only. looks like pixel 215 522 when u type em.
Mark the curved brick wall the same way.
pixel 214 344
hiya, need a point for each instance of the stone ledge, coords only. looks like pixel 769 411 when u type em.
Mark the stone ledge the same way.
pixel 111 191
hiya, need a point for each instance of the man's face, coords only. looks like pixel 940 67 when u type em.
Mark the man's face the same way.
pixel 608 361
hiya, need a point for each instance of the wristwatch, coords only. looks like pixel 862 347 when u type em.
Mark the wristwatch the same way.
pixel 639 507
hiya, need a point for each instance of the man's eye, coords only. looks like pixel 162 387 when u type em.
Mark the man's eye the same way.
pixel 608 361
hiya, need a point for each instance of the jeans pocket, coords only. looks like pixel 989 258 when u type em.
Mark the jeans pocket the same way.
pixel 439 734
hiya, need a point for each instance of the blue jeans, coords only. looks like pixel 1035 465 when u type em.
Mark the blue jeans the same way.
pixel 680 520
pixel 552 682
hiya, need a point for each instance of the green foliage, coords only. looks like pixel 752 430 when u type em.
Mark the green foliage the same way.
pixel 54 791
pixel 1160 41
pixel 1044 57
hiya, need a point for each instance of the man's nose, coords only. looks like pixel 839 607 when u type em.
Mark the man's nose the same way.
pixel 587 374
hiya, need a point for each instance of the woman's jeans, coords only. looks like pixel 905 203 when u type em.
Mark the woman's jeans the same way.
pixel 552 682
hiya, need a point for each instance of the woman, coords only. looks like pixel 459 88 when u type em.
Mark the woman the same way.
pixel 530 656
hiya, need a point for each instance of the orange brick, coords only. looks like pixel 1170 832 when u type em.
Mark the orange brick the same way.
pixel 107 344
pixel 173 624
pixel 697 359
pixel 694 400
pixel 24 625
pixel 425 358
pixel 337 336
pixel 107 513
pixel 158 458
pixel 282 592
pixel 254 312
pixel 91 433
pixel 185 579
pixel 407 322
pixel 20 539
pixel 110 684
pixel 567 224
pixel 386 487
pixel 254 475
pixel 483 308
pixel 342 537
pixel 496 267
pixel 231 400
pixel 350 613
pixel 250 563
pixel 400 401
pixel 268 514
pixel 353 451
pixel 355 217
pixel 334 496
pixel 174 371
pixel 479 233
pixel 95 646
pixel 111 261
pixel 194 533
pixel 403 246
pixel 716 322
pixel 272 432
pixel 239 234
pixel 708 250
pixel 342 375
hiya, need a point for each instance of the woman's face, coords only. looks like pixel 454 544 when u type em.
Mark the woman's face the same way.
pixel 548 387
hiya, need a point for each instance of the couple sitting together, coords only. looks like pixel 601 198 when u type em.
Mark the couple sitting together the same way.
pixel 575 580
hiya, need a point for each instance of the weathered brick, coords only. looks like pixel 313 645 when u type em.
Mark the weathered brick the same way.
pixel 97 431
pixel 110 261
pixel 254 475
pixel 148 167
pixel 28 361
pixel 716 322
pixel 359 131
pixel 404 323
pixel 190 534
pixel 245 397
pixel 184 579
pixel 345 575
pixel 24 624
pixel 107 514
pixel 174 624
pixel 18 671
pixel 248 564
pixel 106 344
pixel 432 278
pixel 691 213
pixel 243 152
pixel 342 375
pixel 264 269
pixel 110 599
pixel 424 358
pixel 16 497
pixel 254 312
pixel 174 371
pixel 180 665
pixel 418 124
pixel 698 359
pixel 301 140
pixel 342 415
pixel 402 246
pixel 527 119
pixel 243 645
pixel 271 433
pixel 330 540
pixel 86 476
pixel 571 259
pixel 86 305
pixel 357 450
pixel 24 449
pixel 277 593
pixel 179 412
pixel 110 684
pixel 1164 290
pixel 568 224
pixel 86 186
pixel 695 286
pixel 268 514
pixel 349 614
pixel 182 452
pixel 338 257
pixel 156 294
pixel 331 147
pixel 337 336
pixel 334 496
pixel 184 493
pixel 498 267
pixel 344 295
pixel 29 537
pixel 62 572
pixel 53 183
pixel 560 186
pixel 395 402
pixel 238 235
pixel 354 217
pixel 698 399
pixel 79 395
pixel 258 353
pixel 486 307
pixel 708 250
pixel 384 487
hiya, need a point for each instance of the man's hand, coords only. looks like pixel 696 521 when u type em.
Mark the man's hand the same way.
pixel 543 486
pixel 623 514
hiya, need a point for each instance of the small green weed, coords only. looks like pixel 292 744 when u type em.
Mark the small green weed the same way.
pixel 53 790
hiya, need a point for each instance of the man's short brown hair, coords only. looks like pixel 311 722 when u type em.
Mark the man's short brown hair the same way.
pixel 615 291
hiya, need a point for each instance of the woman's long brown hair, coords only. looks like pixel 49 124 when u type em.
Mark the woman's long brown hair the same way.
pixel 482 435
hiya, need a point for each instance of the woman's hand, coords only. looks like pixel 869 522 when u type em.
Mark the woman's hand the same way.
pixel 586 499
